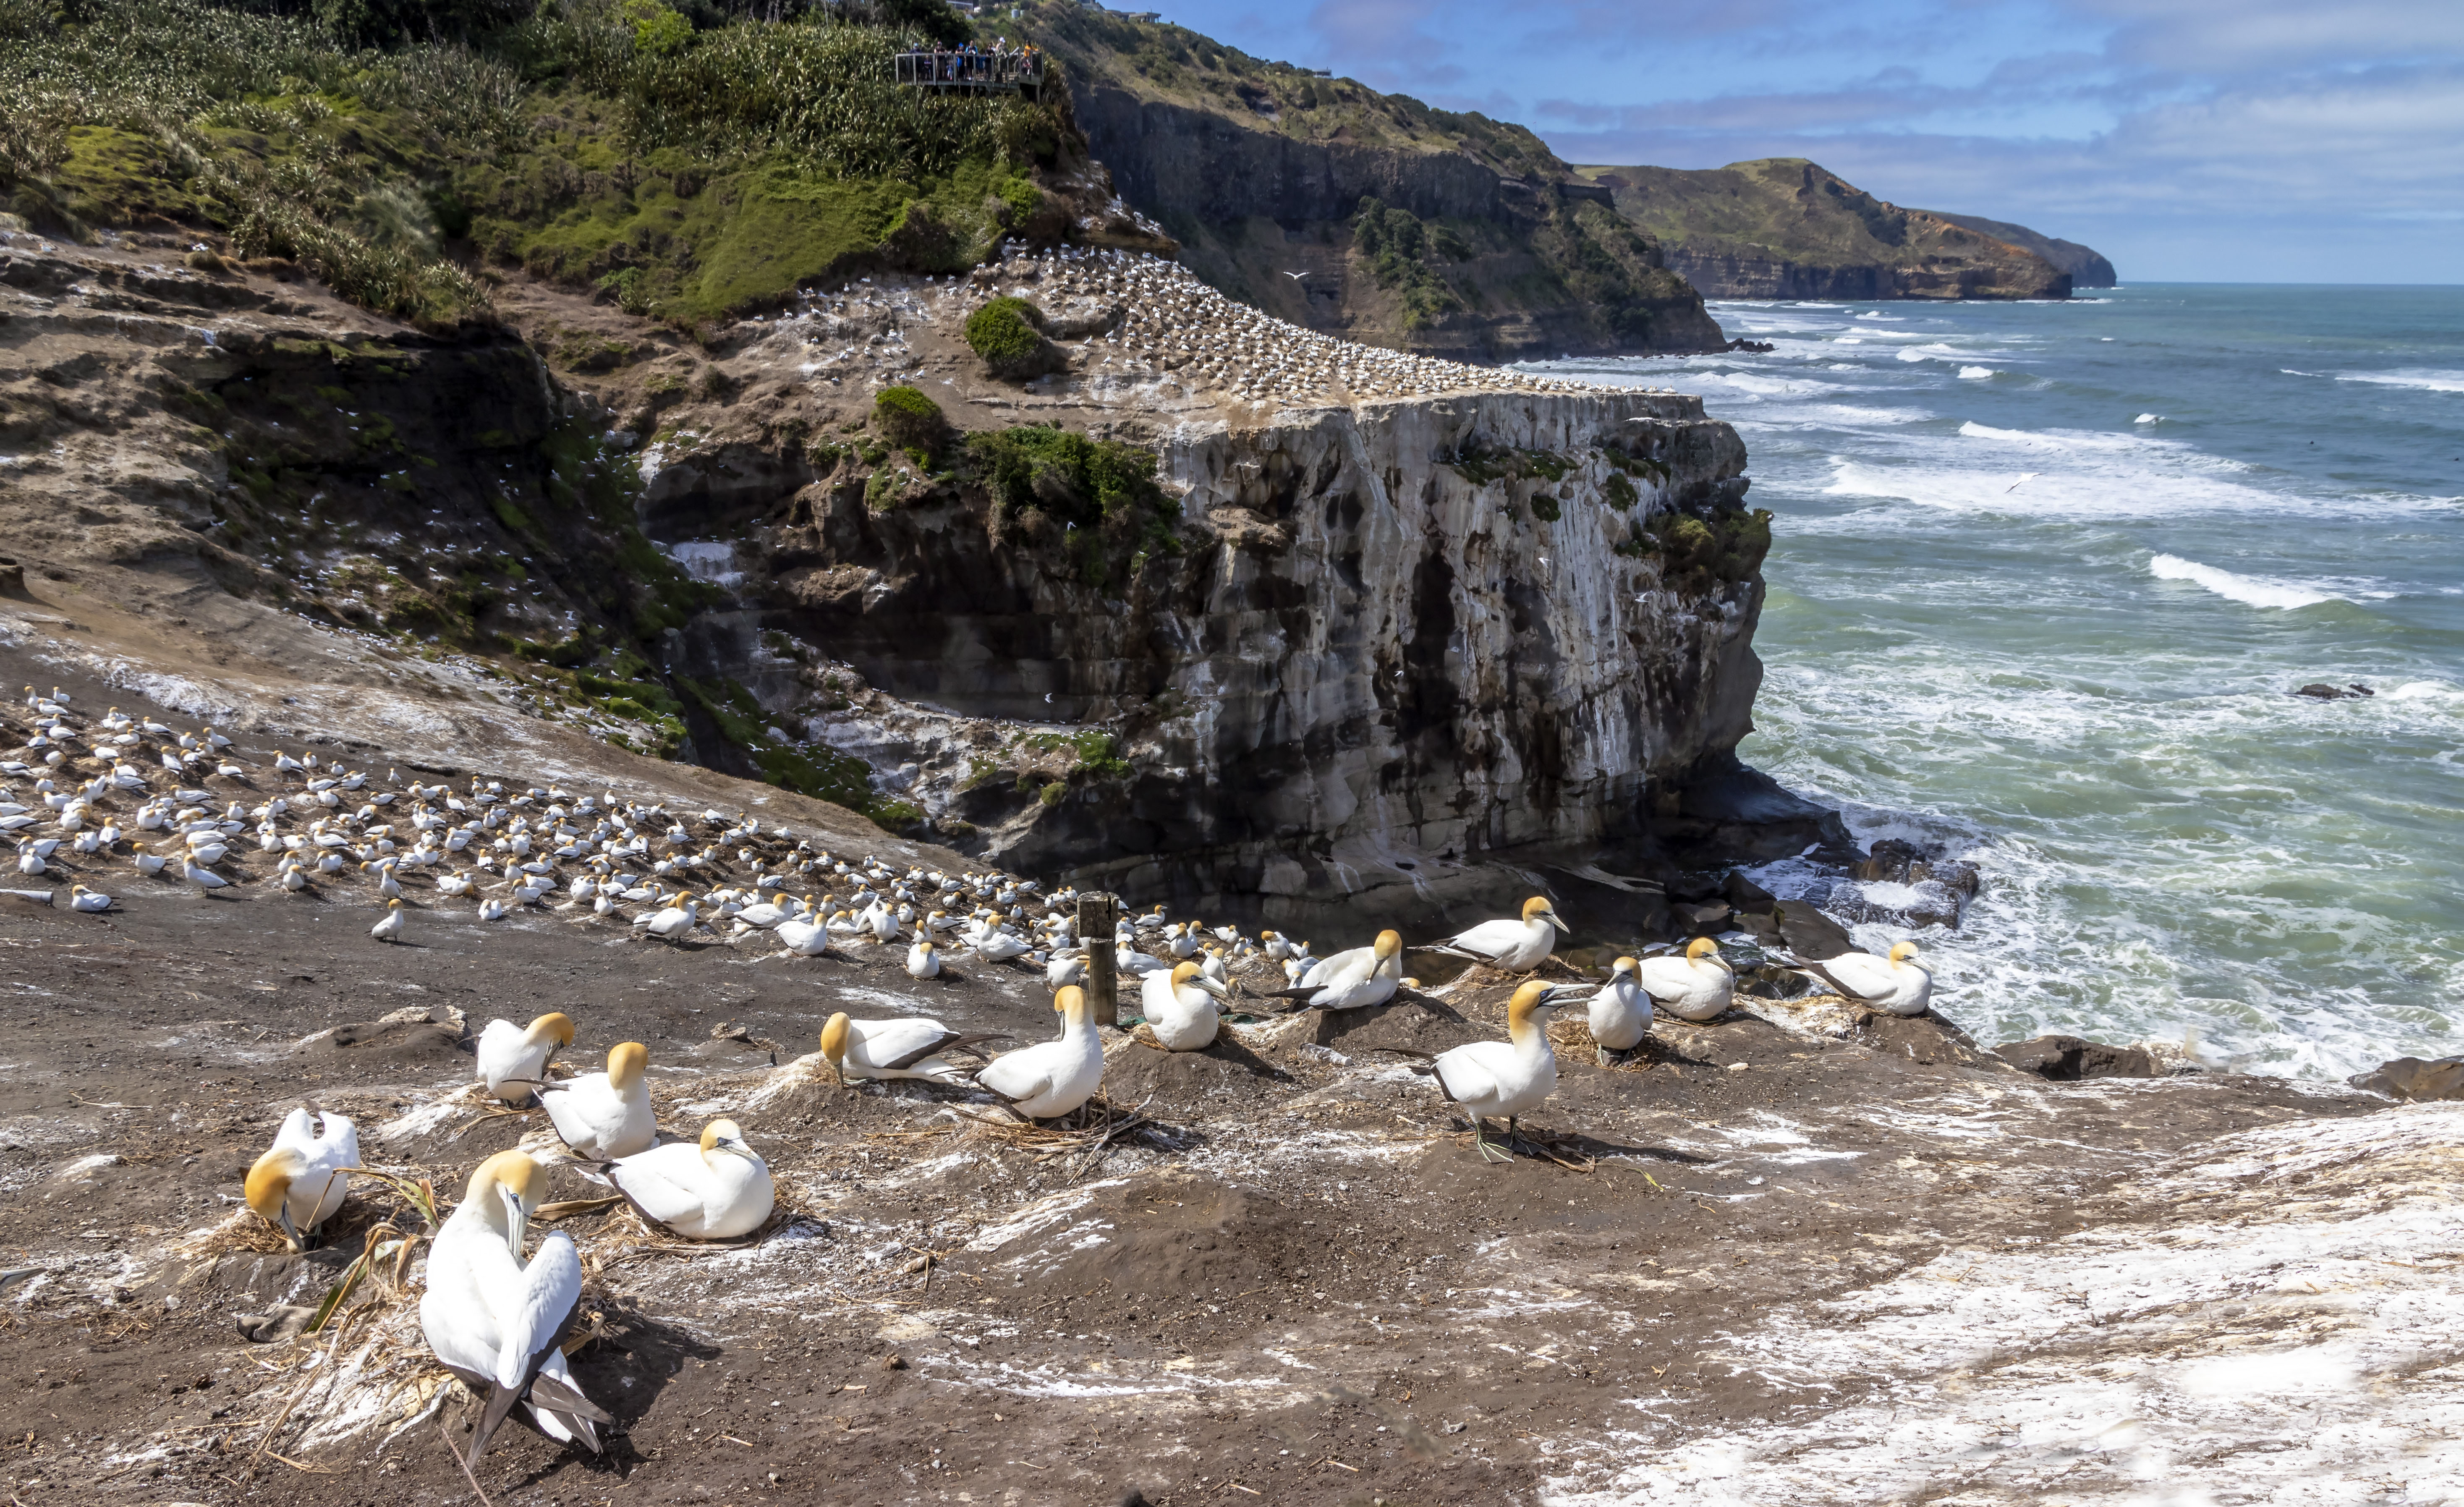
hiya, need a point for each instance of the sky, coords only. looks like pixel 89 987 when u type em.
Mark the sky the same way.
pixel 2265 140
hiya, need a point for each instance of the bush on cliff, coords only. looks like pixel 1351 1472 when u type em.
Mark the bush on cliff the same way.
pixel 910 420
pixel 1097 499
pixel 1697 554
pixel 1008 334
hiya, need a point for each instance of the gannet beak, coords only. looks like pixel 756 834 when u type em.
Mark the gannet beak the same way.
pixel 517 1220
pixel 1559 924
pixel 1212 986
pixel 291 1235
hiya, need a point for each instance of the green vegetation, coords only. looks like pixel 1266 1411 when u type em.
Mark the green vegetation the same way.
pixel 1099 753
pixel 910 420
pixel 692 166
pixel 1398 247
pixel 1619 493
pixel 1697 553
pixel 1008 334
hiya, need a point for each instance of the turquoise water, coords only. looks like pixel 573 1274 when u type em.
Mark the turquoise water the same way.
pixel 2044 576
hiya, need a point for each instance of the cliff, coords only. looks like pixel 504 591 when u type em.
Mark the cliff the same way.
pixel 1341 208
pixel 2087 267
pixel 1784 228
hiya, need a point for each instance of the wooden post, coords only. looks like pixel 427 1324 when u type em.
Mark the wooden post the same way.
pixel 1097 915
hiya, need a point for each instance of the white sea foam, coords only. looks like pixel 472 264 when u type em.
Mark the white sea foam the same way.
pixel 2249 590
pixel 1974 374
pixel 2423 381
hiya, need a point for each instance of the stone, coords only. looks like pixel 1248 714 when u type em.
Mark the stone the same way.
pixel 1745 896
pixel 1704 920
pixel 2415 1081
pixel 1810 933
pixel 1887 862
pixel 2073 1060
pixel 2321 691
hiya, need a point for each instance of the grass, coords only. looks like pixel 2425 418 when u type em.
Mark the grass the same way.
pixel 907 418
pixel 1008 334
pixel 1094 501
pixel 692 173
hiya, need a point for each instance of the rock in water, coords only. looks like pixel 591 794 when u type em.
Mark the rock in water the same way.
pixel 2321 691
pixel 2070 1059
pixel 1808 932
pixel 2414 1080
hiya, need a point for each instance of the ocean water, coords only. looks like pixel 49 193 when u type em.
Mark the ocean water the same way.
pixel 2044 576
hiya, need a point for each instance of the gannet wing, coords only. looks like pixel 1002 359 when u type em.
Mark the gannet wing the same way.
pixel 1018 1075
pixel 1465 1073
pixel 1859 975
pixel 1489 939
pixel 1664 979
pixel 531 1321
pixel 655 1183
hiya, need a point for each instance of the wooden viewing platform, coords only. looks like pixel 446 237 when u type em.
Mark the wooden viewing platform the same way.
pixel 972 73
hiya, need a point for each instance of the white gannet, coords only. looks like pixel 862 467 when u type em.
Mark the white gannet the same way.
pixel 922 962
pixel 676 921
pixel 1514 946
pixel 909 1047
pixel 299 1184
pixel 1897 984
pixel 81 899
pixel 603 1116
pixel 389 928
pixel 993 944
pixel 806 938
pixel 1696 986
pixel 1351 979
pixel 206 878
pixel 715 1190
pixel 498 1321
pixel 1065 968
pixel 1179 1007
pixel 1622 1013
pixel 1491 1078
pixel 1052 1077
pixel 513 1059
pixel 491 909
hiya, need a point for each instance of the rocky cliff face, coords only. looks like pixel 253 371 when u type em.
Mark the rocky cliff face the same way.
pixel 1401 640
pixel 2087 266
pixel 1784 228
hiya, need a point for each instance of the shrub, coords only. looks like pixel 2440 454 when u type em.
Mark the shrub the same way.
pixel 1619 493
pixel 1008 334
pixel 910 420
pixel 1067 477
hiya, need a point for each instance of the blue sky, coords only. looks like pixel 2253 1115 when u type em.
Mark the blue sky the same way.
pixel 2187 140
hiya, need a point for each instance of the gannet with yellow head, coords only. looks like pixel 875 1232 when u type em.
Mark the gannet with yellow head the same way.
pixel 907 1047
pixel 1351 979
pixel 1515 946
pixel 298 1184
pixel 1620 1013
pixel 1897 984
pixel 603 1116
pixel 1510 1078
pixel 1180 1006
pixel 1696 986
pixel 715 1190
pixel 513 1059
pixel 1052 1077
pixel 497 1320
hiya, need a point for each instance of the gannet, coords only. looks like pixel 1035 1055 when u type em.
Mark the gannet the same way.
pixel 206 878
pixel 803 938
pixel 1696 986
pixel 1179 1007
pixel 1622 1013
pixel 715 1190
pixel 298 1183
pixel 606 1114
pixel 993 944
pixel 1052 1077
pixel 513 1059
pixel 1352 980
pixel 909 1047
pixel 1514 946
pixel 1065 968
pixel 81 899
pixel 922 962
pixel 676 921
pixel 1897 984
pixel 495 1320
pixel 1489 1078
pixel 389 928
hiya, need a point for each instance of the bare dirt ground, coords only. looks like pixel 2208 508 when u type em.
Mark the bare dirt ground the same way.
pixel 1770 1263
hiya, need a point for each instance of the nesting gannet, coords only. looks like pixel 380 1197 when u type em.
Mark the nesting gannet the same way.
pixel 922 962
pixel 676 921
pixel 1052 1077
pixel 1065 968
pixel 1696 986
pixel 513 1059
pixel 1351 979
pixel 909 1047
pixel 606 1114
pixel 805 939
pixel 1179 1007
pixel 388 929
pixel 715 1190
pixel 1620 1013
pixel 1897 984
pixel 495 1320
pixel 1514 947
pixel 298 1184
pixel 81 899
pixel 1490 1078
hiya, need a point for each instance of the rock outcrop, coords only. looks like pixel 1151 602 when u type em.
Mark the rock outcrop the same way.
pixel 1784 228
pixel 2088 268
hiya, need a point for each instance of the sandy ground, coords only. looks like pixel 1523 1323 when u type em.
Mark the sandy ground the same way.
pixel 1779 1260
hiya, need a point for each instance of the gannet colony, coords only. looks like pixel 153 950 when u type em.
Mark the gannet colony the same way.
pixel 1614 1230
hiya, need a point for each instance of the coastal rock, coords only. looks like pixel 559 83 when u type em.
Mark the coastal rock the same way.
pixel 1808 932
pixel 2416 1080
pixel 2321 691
pixel 2072 1059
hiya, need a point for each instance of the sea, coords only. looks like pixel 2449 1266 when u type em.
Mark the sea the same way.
pixel 2046 577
